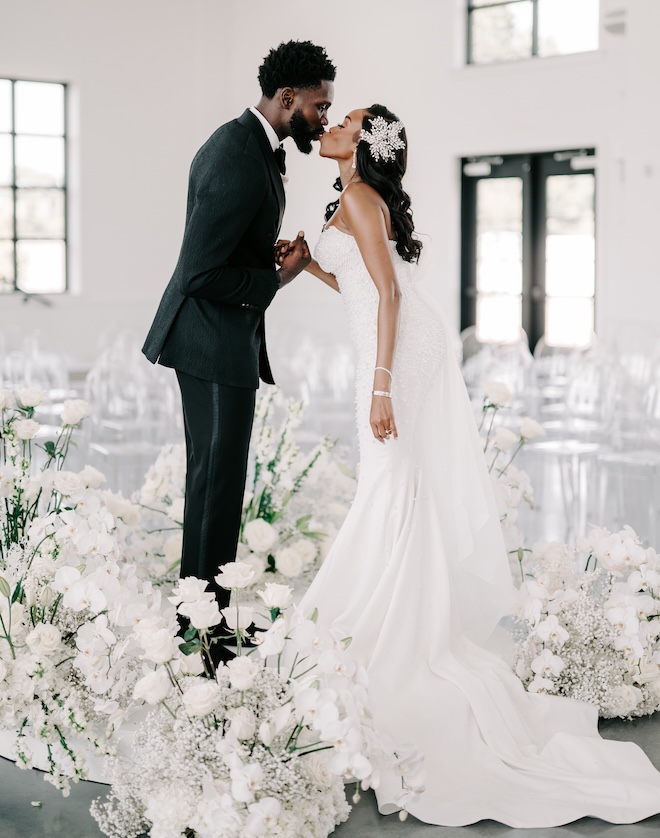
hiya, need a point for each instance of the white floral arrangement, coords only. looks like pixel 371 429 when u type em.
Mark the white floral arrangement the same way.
pixel 67 600
pixel 511 485
pixel 591 627
pixel 261 745
pixel 280 534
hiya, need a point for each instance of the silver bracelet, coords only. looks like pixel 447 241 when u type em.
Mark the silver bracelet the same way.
pixel 381 393
pixel 384 369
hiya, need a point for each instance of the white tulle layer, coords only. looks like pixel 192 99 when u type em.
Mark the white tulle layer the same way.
pixel 418 577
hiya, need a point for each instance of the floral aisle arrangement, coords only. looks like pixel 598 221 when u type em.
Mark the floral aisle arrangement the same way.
pixel 281 532
pixel 591 626
pixel 261 745
pixel 67 601
pixel 511 485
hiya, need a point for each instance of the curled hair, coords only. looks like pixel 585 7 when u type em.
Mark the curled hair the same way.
pixel 385 177
pixel 299 64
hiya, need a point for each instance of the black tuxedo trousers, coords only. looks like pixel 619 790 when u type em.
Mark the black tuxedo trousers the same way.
pixel 218 423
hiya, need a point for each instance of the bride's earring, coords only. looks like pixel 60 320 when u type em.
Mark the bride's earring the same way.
pixel 354 164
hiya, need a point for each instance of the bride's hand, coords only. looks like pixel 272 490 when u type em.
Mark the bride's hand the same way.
pixel 382 419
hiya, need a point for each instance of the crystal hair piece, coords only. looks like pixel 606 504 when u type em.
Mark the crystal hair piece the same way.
pixel 383 138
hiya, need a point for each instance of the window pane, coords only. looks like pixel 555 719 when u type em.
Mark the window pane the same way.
pixel 569 321
pixel 6 214
pixel 40 213
pixel 6 266
pixel 499 235
pixel 5 105
pixel 41 266
pixel 501 33
pixel 6 167
pixel 498 317
pixel 39 108
pixel 570 242
pixel 567 26
pixel 39 161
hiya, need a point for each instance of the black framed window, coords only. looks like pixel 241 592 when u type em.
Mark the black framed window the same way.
pixel 33 187
pixel 506 30
pixel 528 246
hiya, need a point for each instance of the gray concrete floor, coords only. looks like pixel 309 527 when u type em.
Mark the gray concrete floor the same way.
pixel 60 817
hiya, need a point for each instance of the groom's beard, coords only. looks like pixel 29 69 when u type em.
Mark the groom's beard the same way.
pixel 301 132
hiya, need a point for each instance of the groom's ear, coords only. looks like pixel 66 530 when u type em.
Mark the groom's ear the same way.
pixel 286 96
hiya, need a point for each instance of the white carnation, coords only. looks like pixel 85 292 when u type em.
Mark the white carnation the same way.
pixel 504 439
pixel 530 428
pixel 6 399
pixel 496 392
pixel 307 550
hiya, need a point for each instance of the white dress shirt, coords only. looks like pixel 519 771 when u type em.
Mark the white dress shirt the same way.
pixel 273 139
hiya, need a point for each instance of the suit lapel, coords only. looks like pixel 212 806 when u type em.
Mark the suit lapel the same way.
pixel 250 121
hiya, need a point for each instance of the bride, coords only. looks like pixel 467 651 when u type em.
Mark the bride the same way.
pixel 418 575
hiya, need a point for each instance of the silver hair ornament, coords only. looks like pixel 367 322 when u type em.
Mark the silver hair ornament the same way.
pixel 383 138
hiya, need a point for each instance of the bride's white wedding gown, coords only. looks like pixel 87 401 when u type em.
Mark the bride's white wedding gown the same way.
pixel 418 577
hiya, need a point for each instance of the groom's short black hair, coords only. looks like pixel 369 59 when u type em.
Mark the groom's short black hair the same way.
pixel 295 64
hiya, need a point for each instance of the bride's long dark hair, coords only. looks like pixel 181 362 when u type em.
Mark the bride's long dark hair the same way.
pixel 385 177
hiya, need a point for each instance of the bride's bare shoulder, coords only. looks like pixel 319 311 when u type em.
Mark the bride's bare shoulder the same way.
pixel 359 196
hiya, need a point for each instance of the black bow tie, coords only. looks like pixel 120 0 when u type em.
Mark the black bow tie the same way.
pixel 280 156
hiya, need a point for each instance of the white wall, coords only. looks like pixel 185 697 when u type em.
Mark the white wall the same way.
pixel 152 78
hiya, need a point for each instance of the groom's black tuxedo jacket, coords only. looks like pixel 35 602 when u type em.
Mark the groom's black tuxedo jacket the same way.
pixel 210 322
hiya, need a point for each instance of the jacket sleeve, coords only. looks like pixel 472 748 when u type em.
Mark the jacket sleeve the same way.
pixel 223 208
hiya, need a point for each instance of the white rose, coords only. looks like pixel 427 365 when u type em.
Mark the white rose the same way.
pixel 276 596
pixel 173 547
pixel 91 477
pixel 648 672
pixel 175 511
pixel 159 646
pixel 504 439
pixel 307 550
pixel 153 688
pixel 44 639
pixel 257 564
pixel 30 396
pixel 318 770
pixel 238 617
pixel 202 614
pixel 243 722
pixel 6 399
pixel 202 698
pixel 496 392
pixel 242 672
pixel 191 664
pixel 188 589
pixel 67 483
pixel 530 428
pixel 235 575
pixel 626 698
pixel 259 535
pixel 74 411
pixel 25 428
pixel 289 562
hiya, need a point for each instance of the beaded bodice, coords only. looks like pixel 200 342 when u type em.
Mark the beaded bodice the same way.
pixel 421 341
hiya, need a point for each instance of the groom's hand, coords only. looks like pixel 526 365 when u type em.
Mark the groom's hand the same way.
pixel 293 257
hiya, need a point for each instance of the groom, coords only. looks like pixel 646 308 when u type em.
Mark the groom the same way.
pixel 210 323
